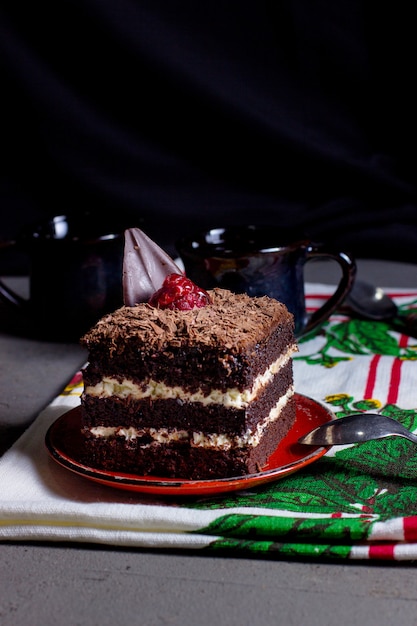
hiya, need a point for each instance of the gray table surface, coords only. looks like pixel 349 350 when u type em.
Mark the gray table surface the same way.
pixel 42 584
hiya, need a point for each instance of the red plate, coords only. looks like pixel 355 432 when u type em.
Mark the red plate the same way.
pixel 63 441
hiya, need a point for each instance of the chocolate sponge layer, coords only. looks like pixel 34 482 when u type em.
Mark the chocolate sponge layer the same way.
pixel 173 413
pixel 182 461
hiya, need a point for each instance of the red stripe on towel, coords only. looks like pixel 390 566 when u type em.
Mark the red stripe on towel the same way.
pixel 370 383
pixel 402 294
pixel 395 380
pixel 410 528
pixel 382 551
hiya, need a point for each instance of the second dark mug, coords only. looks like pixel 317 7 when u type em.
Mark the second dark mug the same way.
pixel 263 261
pixel 75 277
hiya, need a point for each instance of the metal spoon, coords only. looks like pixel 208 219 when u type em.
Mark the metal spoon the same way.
pixel 356 428
pixel 372 303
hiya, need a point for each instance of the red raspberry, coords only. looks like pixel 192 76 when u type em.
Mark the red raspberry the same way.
pixel 179 292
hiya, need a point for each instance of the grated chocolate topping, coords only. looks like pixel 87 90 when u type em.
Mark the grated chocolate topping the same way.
pixel 235 321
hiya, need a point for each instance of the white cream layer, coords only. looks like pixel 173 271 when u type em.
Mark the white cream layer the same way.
pixel 216 441
pixel 232 398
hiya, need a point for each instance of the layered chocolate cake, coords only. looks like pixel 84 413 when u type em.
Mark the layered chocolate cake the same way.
pixel 200 393
pixel 185 383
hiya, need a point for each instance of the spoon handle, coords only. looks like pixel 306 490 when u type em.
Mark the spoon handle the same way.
pixel 356 428
pixel 405 324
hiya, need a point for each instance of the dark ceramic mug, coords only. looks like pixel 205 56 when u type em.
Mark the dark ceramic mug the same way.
pixel 263 261
pixel 75 277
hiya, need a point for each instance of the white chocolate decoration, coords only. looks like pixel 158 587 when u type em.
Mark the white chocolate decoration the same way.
pixel 145 266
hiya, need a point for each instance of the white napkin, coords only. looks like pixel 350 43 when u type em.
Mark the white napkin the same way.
pixel 42 500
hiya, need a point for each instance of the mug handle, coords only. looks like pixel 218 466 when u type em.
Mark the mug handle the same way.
pixel 348 267
pixel 6 294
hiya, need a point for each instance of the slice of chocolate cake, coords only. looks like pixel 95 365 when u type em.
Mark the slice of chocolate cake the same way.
pixel 195 394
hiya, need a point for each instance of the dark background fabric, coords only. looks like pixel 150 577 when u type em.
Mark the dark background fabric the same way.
pixel 174 115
